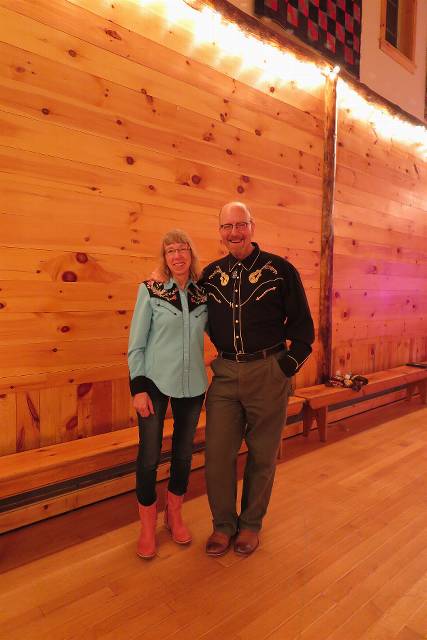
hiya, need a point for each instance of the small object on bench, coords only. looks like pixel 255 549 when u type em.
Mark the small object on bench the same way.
pixel 421 365
pixel 352 381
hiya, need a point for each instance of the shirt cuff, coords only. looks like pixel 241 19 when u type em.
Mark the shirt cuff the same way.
pixel 288 365
pixel 139 384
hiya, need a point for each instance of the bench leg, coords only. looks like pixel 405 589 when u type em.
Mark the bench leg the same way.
pixel 422 388
pixel 410 390
pixel 308 416
pixel 322 423
pixel 280 450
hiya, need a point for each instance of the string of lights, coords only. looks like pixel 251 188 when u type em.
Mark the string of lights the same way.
pixel 281 67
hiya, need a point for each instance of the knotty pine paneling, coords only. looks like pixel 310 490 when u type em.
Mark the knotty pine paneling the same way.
pixel 380 258
pixel 131 24
pixel 47 379
pixel 8 423
pixel 27 420
pixel 26 101
pixel 113 131
pixel 47 326
pixel 47 265
pixel 366 149
pixel 79 54
pixel 63 413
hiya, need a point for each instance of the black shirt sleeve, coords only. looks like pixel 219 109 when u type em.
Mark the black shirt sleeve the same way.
pixel 299 323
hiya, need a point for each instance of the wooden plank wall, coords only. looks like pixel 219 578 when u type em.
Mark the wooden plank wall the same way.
pixel 113 130
pixel 380 257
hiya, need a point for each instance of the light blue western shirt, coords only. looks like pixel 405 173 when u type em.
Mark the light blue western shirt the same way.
pixel 166 339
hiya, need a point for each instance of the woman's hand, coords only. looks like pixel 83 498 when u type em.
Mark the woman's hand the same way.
pixel 143 405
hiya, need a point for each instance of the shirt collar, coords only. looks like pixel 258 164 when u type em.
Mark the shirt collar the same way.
pixel 247 262
pixel 171 283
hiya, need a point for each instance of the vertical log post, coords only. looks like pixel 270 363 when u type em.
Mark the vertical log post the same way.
pixel 327 238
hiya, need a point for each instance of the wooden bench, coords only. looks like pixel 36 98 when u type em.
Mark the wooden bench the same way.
pixel 33 476
pixel 319 398
pixel 42 470
pixel 29 470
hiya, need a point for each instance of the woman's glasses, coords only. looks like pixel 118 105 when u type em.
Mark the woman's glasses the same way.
pixel 179 251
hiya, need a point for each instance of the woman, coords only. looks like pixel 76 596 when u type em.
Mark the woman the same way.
pixel 166 361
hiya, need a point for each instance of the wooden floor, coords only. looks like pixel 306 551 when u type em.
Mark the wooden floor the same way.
pixel 343 554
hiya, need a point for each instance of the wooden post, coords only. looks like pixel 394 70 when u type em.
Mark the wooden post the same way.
pixel 327 237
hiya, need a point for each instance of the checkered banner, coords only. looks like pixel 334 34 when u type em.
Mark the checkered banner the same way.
pixel 332 26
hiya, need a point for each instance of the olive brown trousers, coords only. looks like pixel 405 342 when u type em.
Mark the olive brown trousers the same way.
pixel 246 401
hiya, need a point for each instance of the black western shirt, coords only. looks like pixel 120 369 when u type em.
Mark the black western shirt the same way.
pixel 257 303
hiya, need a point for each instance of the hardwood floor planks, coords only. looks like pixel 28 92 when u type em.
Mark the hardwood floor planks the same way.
pixel 343 554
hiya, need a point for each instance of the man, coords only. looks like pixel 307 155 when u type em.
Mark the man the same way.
pixel 256 302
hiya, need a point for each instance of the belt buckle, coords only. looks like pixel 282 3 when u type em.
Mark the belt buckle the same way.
pixel 238 357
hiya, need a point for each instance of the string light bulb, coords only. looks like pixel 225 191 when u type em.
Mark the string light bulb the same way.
pixel 334 72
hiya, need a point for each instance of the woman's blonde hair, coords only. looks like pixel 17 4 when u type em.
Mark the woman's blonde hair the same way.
pixel 178 236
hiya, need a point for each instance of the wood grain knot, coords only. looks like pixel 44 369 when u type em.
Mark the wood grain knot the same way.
pixel 71 424
pixel 83 389
pixel 113 34
pixel 69 276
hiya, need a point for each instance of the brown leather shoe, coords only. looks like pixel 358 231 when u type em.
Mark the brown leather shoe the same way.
pixel 218 544
pixel 246 542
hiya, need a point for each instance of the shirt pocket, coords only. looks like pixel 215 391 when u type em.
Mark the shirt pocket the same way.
pixel 161 307
pixel 200 312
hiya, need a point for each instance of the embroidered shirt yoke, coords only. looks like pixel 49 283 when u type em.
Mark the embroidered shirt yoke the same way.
pixel 256 303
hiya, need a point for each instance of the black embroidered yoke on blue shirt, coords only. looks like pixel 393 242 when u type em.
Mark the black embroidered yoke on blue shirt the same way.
pixel 256 303
pixel 170 292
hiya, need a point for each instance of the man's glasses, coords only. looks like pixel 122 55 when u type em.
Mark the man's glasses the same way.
pixel 239 226
pixel 180 251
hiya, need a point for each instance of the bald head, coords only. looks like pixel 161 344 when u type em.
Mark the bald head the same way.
pixel 237 206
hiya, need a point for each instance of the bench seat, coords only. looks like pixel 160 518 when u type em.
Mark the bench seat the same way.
pixel 319 398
